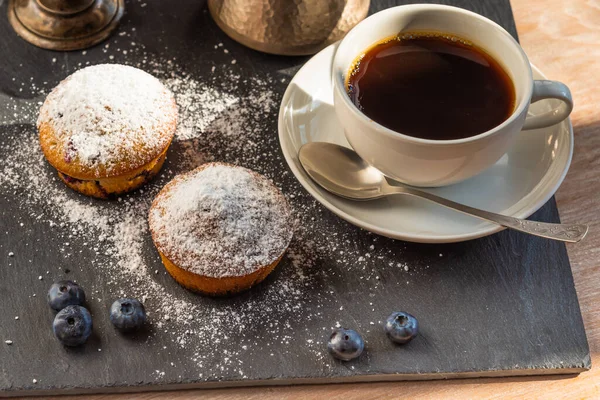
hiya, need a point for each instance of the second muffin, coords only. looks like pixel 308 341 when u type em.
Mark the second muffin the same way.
pixel 220 229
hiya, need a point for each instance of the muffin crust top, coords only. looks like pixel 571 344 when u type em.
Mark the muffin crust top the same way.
pixel 221 220
pixel 105 121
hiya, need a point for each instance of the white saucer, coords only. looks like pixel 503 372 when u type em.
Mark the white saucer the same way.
pixel 518 185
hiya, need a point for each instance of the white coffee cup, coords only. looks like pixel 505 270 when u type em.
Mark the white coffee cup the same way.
pixel 423 162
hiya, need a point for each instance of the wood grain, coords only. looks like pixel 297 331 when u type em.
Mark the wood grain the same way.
pixel 563 39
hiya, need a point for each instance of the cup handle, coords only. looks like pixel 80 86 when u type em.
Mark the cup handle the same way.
pixel 549 90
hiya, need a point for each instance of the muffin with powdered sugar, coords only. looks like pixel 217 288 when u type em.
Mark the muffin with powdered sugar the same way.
pixel 220 228
pixel 107 128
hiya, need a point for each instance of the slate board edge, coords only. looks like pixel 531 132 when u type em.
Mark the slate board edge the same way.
pixel 565 372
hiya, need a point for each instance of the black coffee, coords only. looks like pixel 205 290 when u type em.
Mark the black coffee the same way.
pixel 431 86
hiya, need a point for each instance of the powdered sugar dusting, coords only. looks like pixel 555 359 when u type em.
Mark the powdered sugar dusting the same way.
pixel 229 118
pixel 106 114
pixel 199 105
pixel 116 239
pixel 221 220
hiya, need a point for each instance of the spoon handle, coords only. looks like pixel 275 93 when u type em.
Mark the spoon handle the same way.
pixel 571 233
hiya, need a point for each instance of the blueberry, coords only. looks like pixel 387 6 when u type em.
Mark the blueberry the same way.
pixel 65 293
pixel 127 314
pixel 345 344
pixel 72 325
pixel 401 327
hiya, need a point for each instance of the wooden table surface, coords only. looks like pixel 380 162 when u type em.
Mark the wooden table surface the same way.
pixel 563 39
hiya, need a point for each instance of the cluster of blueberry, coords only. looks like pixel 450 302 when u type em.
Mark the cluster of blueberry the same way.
pixel 72 324
pixel 347 344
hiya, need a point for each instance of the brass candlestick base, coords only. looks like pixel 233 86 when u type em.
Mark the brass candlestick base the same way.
pixel 64 24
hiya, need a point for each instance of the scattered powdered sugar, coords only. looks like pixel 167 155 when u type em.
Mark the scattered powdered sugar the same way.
pixel 216 125
pixel 106 114
pixel 220 120
pixel 221 220
pixel 199 105
pixel 115 237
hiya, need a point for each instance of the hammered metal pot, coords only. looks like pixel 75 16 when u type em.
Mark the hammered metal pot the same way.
pixel 288 27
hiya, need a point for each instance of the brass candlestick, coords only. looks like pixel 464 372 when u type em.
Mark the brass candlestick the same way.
pixel 64 24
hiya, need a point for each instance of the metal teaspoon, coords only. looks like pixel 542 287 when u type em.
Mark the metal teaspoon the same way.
pixel 341 171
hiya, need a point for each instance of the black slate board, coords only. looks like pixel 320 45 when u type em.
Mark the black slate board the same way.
pixel 501 305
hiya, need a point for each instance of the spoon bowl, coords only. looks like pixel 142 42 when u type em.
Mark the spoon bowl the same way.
pixel 341 171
